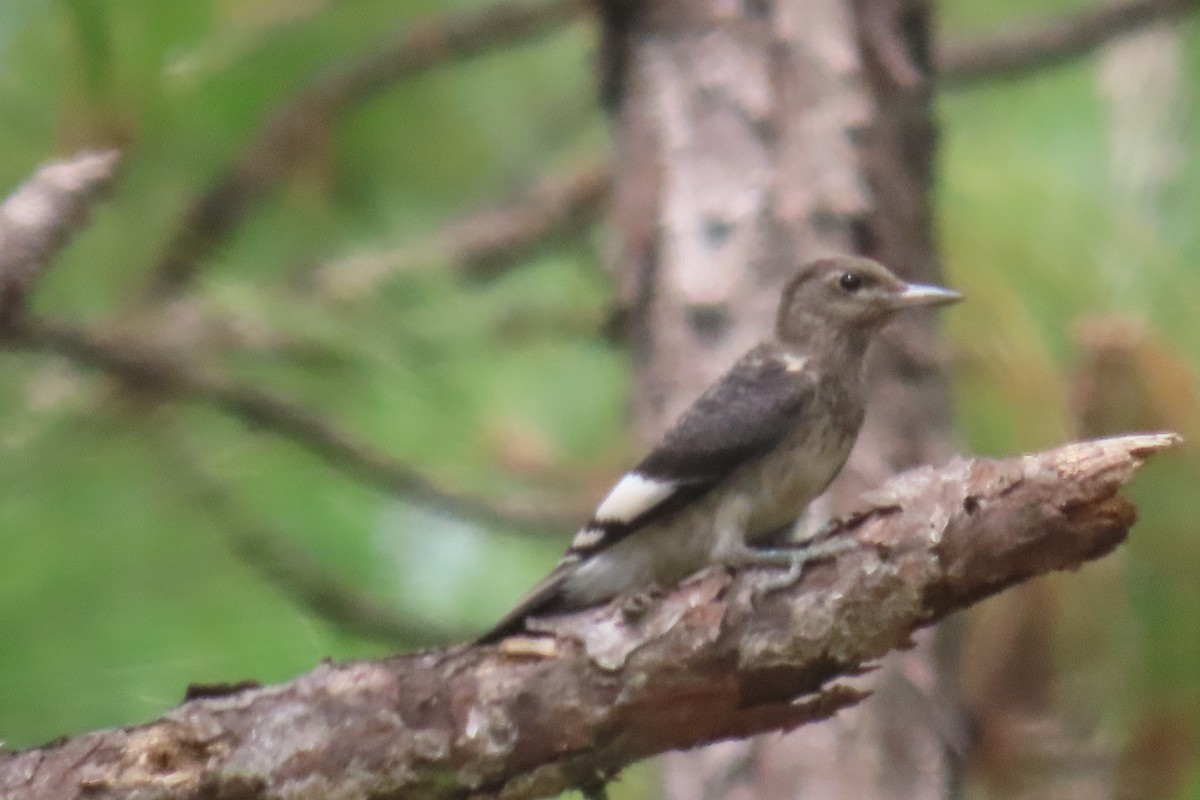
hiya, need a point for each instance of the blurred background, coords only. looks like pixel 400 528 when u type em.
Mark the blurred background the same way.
pixel 419 268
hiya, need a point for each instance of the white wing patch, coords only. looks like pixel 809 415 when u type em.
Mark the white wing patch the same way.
pixel 586 539
pixel 632 496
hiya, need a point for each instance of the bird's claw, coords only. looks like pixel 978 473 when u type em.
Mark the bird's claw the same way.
pixel 780 582
pixel 794 559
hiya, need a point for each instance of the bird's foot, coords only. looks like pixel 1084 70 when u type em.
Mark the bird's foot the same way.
pixel 791 559
pixel 634 606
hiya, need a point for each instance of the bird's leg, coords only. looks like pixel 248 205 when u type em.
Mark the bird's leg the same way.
pixel 792 558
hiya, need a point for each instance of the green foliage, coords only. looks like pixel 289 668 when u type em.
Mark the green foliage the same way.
pixel 116 589
pixel 1049 242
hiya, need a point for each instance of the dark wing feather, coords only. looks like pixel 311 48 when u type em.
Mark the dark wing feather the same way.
pixel 545 598
pixel 741 417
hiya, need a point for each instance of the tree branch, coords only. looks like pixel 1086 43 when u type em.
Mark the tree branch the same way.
pixel 714 659
pixel 141 365
pixel 483 244
pixel 284 141
pixel 39 218
pixel 1050 43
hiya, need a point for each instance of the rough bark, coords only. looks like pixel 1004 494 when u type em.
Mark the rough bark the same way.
pixel 716 658
pixel 750 139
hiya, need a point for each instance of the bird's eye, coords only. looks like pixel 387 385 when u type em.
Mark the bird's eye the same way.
pixel 850 281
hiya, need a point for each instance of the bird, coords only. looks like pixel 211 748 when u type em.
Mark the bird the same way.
pixel 743 462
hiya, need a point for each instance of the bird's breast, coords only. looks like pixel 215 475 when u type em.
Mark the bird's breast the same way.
pixel 797 471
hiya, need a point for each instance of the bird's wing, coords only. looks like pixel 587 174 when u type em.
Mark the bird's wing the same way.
pixel 740 418
pixel 546 597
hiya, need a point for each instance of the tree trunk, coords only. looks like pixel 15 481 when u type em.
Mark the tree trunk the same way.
pixel 752 137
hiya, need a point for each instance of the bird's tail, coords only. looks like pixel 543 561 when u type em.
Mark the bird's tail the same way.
pixel 545 598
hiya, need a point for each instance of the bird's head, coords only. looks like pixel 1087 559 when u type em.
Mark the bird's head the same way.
pixel 849 295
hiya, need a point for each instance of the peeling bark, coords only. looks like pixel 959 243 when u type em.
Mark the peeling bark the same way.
pixel 713 659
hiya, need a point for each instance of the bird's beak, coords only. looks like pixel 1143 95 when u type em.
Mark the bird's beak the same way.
pixel 920 295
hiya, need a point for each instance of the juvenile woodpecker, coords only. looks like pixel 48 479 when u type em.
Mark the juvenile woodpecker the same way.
pixel 748 456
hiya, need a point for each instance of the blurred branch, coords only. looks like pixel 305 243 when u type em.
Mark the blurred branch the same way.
pixel 719 657
pixel 487 242
pixel 39 218
pixel 145 367
pixel 1050 43
pixel 284 141
pixel 201 323
pixel 1127 377
pixel 285 564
